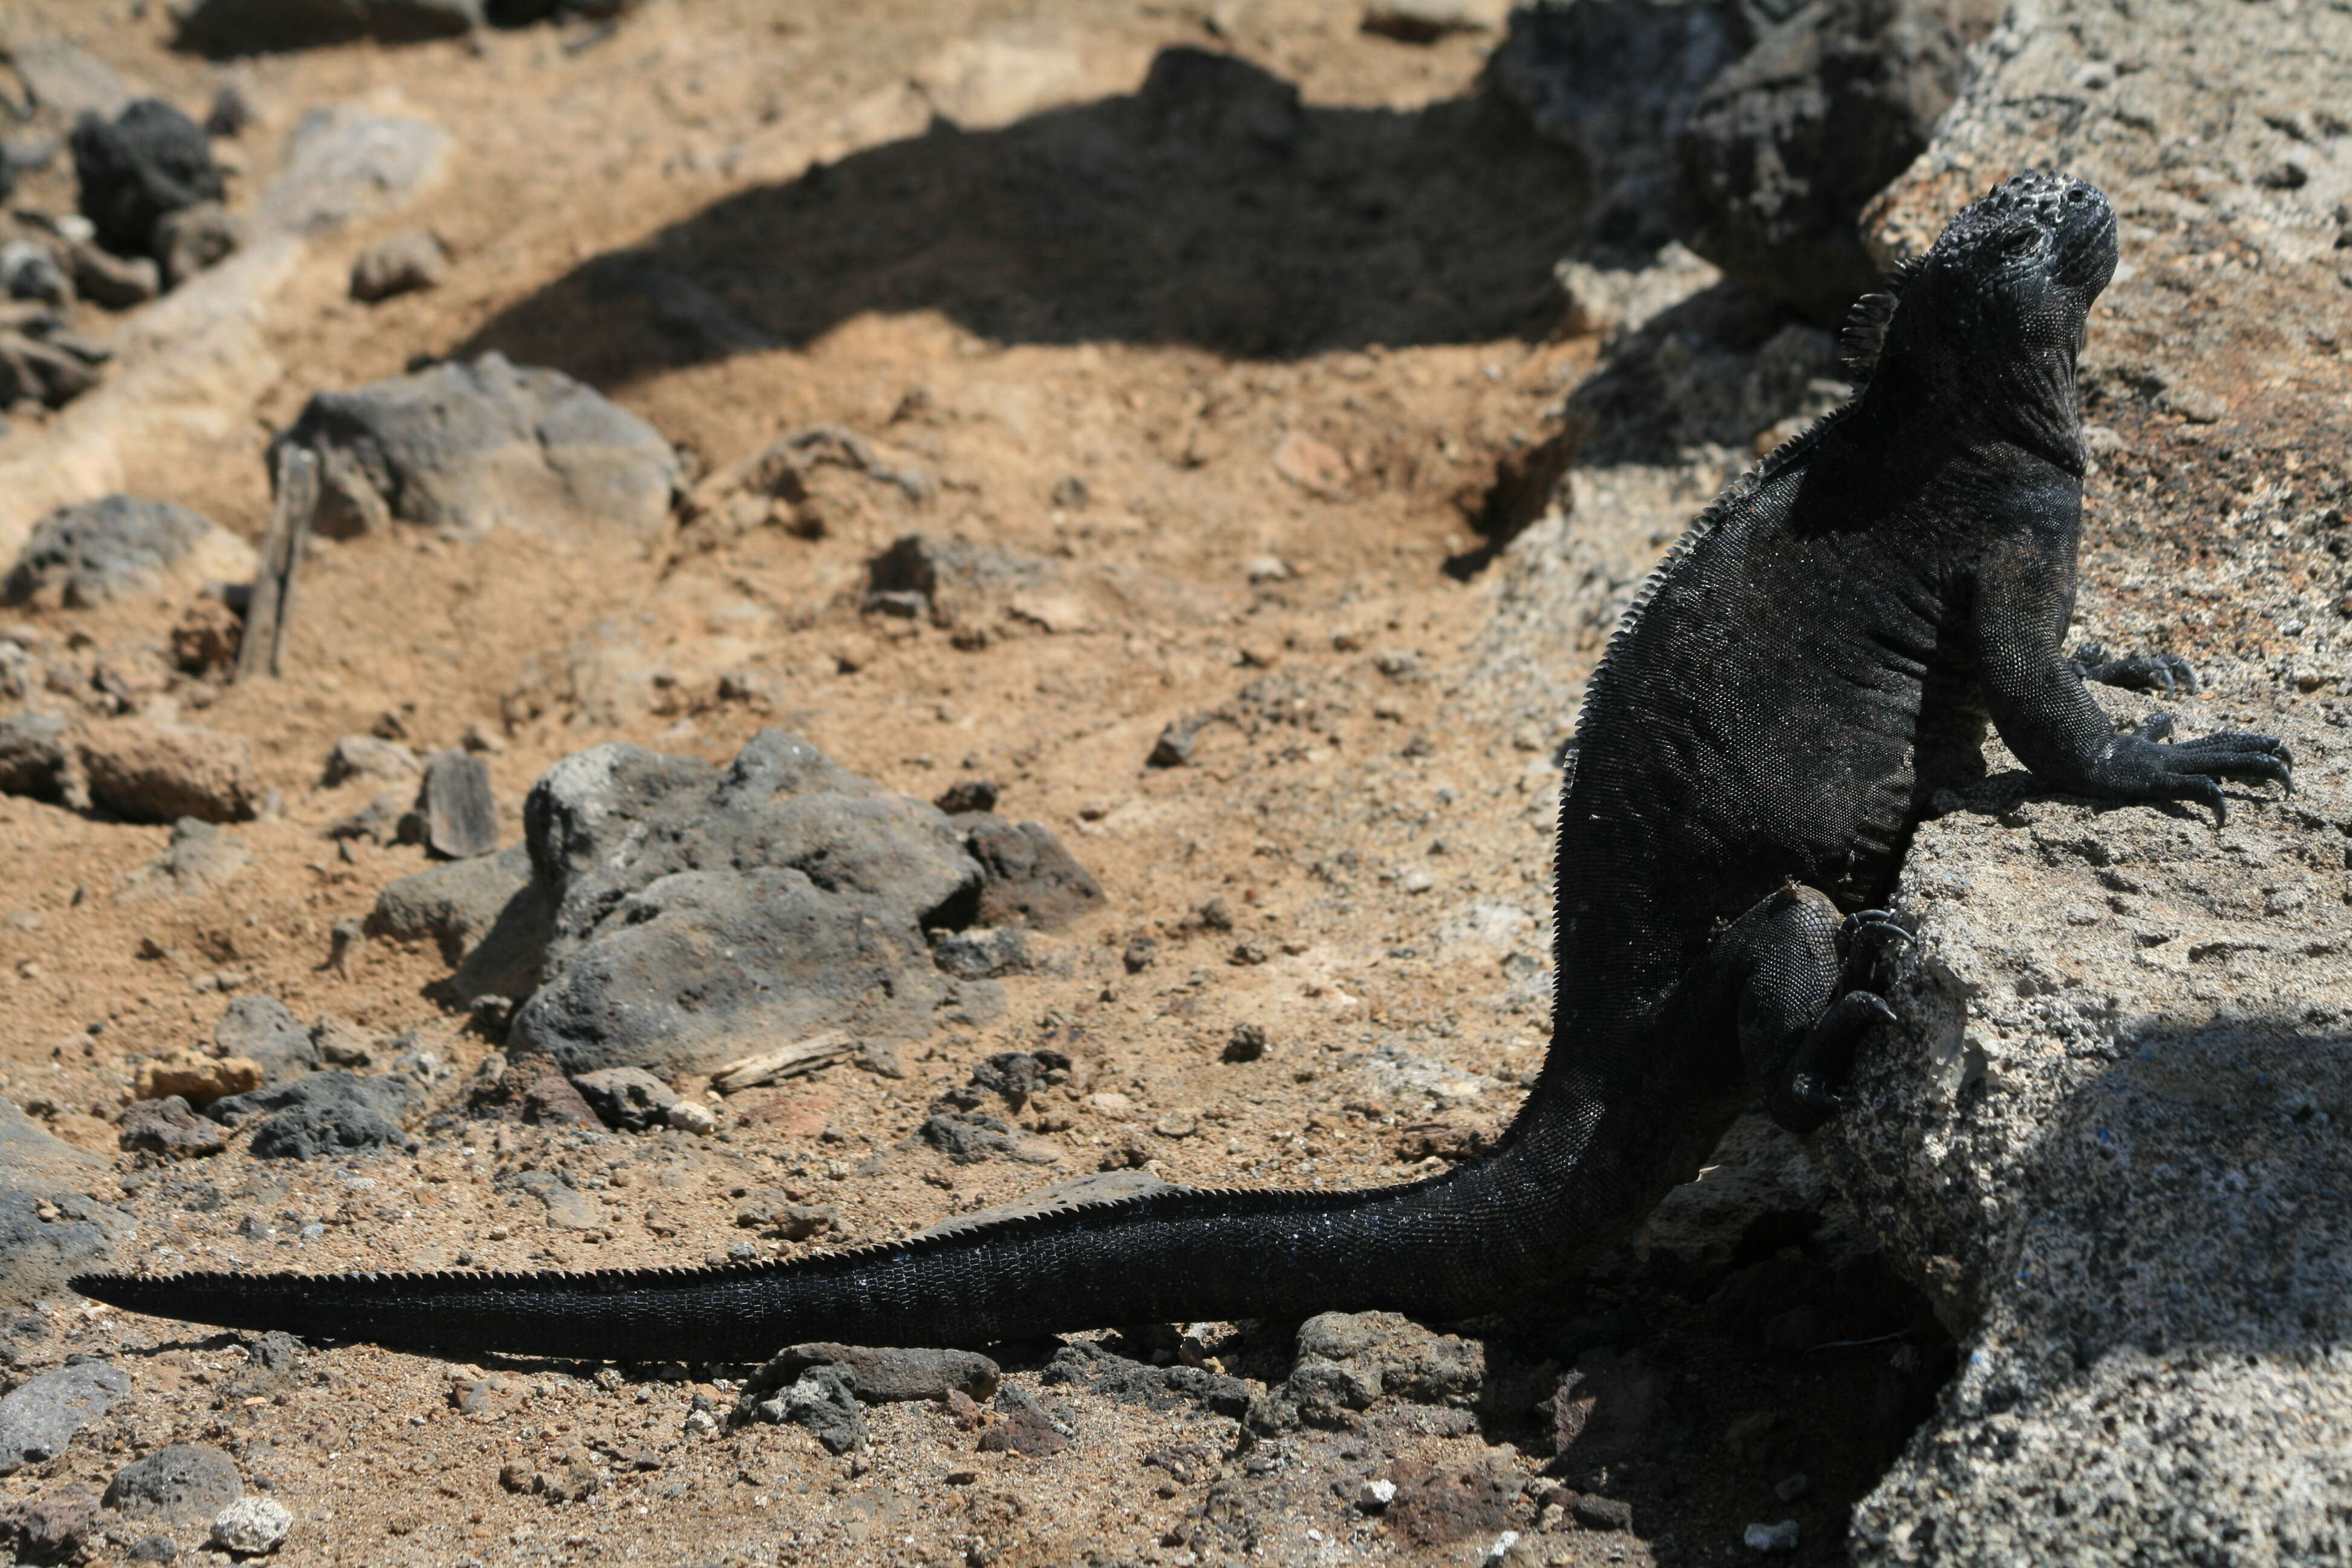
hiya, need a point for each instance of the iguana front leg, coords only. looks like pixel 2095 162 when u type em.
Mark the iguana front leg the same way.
pixel 2039 703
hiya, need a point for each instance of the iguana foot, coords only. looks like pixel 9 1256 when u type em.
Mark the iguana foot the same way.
pixel 1816 1089
pixel 2165 672
pixel 1863 942
pixel 2141 766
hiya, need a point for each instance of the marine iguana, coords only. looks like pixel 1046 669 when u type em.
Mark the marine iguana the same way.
pixel 1817 654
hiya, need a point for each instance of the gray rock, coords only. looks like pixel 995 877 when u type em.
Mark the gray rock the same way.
pixel 168 1128
pixel 252 1527
pixel 29 271
pixel 46 360
pixel 52 1526
pixel 34 755
pixel 157 1547
pixel 331 1112
pixel 461 447
pixel 966 1138
pixel 1616 80
pixel 151 770
pixel 344 161
pixel 1347 1360
pixel 982 952
pixel 822 1401
pixel 782 895
pixel 148 160
pixel 1031 879
pixel 956 582
pixel 568 1208
pixel 186 1483
pixel 259 1027
pixel 45 1239
pixel 1786 144
pixel 365 756
pixel 461 817
pixel 630 1099
pixel 882 1376
pixel 40 1417
pixel 402 264
pixel 99 550
pixel 200 858
pixel 194 238
pixel 491 918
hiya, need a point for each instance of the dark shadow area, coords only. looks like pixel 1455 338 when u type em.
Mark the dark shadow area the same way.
pixel 1211 207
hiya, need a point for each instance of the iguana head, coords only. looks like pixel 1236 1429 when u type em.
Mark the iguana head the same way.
pixel 1990 321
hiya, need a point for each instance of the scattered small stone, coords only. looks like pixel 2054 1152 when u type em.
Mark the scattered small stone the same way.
pixel 365 756
pixel 1024 1430
pixel 38 1418
pixel 193 238
pixel 1313 466
pixel 822 1400
pixel 1601 1512
pixel 1375 1495
pixel 232 113
pixel 629 1098
pixel 344 1044
pixel 28 272
pixel 1141 953
pixel 968 795
pixel 401 264
pixel 1247 1043
pixel 1781 1537
pixel 148 161
pixel 692 1116
pixel 461 816
pixel 328 1112
pixel 772 1209
pixel 53 1526
pixel 153 1549
pixel 982 952
pixel 1027 877
pixel 1266 569
pixel 206 637
pixel 883 1375
pixel 967 1138
pixel 1789 1488
pixel 199 858
pixel 260 1029
pixel 184 1484
pixel 1071 493
pixel 1173 749
pixel 252 1527
pixel 166 1127
pixel 95 552
pixel 152 771
pixel 35 755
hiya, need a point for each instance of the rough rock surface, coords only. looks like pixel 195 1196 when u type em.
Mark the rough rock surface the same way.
pixel 261 1029
pixel 781 894
pixel 489 915
pixel 460 447
pixel 108 549
pixel 38 1418
pixel 2105 1137
pixel 332 1112
pixel 1788 142
pixel 186 1483
pixel 200 858
pixel 49 1229
pixel 252 27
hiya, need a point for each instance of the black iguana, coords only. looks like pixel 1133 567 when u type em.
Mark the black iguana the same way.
pixel 1809 662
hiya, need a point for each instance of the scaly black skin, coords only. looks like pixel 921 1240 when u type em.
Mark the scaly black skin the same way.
pixel 1817 655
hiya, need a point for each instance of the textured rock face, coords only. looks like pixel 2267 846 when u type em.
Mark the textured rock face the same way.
pixel 145 164
pixel 460 447
pixel 1787 143
pixel 2107 1137
pixel 697 908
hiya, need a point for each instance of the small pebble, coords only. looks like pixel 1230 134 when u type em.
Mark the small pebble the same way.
pixel 693 1115
pixel 1781 1537
pixel 1375 1494
pixel 1793 1487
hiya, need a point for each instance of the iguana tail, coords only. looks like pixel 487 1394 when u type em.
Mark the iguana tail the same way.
pixel 1461 1242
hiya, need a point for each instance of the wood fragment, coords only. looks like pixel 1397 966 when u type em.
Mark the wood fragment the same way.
pixel 271 614
pixel 781 1062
